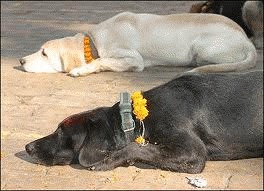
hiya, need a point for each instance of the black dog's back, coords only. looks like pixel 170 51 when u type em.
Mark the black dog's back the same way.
pixel 225 111
pixel 235 109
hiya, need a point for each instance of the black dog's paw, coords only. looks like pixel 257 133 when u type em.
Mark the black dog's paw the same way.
pixel 91 168
pixel 101 166
pixel 130 162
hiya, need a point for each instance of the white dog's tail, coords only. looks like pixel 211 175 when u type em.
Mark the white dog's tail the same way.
pixel 249 62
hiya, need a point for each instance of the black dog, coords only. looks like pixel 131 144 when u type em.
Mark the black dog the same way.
pixel 230 9
pixel 193 118
pixel 248 14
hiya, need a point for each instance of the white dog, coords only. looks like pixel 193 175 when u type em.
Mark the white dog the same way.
pixel 130 42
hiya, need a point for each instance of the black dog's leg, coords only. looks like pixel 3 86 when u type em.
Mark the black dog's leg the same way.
pixel 188 159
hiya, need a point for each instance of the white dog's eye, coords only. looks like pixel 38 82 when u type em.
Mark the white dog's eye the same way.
pixel 43 53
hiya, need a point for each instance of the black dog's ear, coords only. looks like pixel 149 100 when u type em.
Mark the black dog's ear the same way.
pixel 97 141
pixel 89 155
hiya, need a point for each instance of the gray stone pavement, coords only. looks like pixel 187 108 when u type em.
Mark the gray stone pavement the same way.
pixel 32 105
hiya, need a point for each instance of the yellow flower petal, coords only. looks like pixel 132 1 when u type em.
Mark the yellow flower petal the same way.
pixel 136 95
pixel 87 49
pixel 140 102
pixel 89 57
pixel 139 105
pixel 87 54
pixel 86 40
pixel 140 140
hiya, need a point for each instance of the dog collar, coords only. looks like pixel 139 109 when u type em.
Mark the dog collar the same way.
pixel 140 111
pixel 90 51
pixel 127 122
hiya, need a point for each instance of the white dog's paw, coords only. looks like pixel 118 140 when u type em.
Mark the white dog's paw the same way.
pixel 76 72
pixel 82 71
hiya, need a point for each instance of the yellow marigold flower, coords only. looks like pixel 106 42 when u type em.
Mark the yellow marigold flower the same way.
pixel 136 95
pixel 140 102
pixel 87 49
pixel 140 140
pixel 139 105
pixel 86 40
pixel 90 57
pixel 86 54
pixel 137 110
pixel 141 112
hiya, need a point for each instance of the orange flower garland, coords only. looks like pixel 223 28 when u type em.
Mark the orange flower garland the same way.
pixel 141 112
pixel 87 50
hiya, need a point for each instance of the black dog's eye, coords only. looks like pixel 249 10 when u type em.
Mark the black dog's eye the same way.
pixel 43 53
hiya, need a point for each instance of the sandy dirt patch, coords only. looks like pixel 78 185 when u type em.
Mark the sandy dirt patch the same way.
pixel 32 105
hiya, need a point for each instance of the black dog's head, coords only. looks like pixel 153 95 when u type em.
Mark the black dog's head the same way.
pixel 83 138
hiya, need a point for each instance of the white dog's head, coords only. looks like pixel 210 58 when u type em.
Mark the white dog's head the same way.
pixel 59 55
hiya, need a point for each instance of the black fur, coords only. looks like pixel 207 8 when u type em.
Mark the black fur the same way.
pixel 192 119
pixel 233 10
pixel 230 9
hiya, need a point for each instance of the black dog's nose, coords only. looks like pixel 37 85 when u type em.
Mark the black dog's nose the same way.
pixel 29 148
pixel 22 61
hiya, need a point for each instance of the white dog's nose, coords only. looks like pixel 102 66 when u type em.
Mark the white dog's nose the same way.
pixel 22 61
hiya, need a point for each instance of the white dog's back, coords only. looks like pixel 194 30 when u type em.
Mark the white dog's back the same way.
pixel 162 39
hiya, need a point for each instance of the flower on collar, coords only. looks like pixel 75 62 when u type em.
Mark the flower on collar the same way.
pixel 140 140
pixel 139 105
pixel 141 112
pixel 87 50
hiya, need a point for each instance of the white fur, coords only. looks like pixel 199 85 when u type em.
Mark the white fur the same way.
pixel 130 42
pixel 43 64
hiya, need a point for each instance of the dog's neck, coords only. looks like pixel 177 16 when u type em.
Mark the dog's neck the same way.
pixel 90 51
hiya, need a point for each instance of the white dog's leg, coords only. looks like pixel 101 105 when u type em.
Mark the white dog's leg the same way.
pixel 129 62
pixel 85 69
pixel 248 63
pixel 219 55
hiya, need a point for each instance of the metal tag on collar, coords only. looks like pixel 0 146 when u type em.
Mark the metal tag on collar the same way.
pixel 125 107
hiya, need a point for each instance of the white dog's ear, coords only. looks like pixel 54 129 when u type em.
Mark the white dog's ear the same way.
pixel 79 35
pixel 70 60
